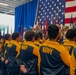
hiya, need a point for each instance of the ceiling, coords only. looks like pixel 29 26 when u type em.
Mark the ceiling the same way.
pixel 10 7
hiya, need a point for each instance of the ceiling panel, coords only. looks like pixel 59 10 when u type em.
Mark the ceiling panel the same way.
pixel 10 9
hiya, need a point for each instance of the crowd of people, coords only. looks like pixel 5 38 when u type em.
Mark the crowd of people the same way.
pixel 54 54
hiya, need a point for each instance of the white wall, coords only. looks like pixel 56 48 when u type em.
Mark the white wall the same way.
pixel 7 20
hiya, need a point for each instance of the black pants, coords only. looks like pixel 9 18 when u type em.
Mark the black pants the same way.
pixel 3 68
pixel 21 73
pixel 13 70
pixel 28 74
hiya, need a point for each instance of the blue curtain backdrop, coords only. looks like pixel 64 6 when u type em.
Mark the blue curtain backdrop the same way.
pixel 25 15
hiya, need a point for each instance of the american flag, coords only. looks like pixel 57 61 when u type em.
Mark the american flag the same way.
pixel 70 12
pixel 51 10
pixel 61 11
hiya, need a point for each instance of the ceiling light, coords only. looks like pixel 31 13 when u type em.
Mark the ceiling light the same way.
pixel 3 4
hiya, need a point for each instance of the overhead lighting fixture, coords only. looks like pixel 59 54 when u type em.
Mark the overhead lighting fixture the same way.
pixel 3 4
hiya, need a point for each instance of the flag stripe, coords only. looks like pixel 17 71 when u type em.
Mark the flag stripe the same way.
pixel 70 12
pixel 69 0
pixel 68 15
pixel 70 4
pixel 70 9
pixel 67 20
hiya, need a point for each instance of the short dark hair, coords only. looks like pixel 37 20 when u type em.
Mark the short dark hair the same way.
pixel 29 35
pixel 6 36
pixel 53 31
pixel 15 35
pixel 71 33
pixel 37 36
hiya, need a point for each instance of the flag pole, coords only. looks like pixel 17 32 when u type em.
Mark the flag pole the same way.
pixel 75 17
pixel 36 12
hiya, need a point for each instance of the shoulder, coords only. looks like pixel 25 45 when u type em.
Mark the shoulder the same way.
pixel 15 43
pixel 33 45
pixel 61 48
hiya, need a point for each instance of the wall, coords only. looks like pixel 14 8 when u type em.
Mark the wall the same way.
pixel 6 21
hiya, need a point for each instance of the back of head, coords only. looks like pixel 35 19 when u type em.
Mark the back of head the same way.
pixel 29 35
pixel 71 33
pixel 53 31
pixel 37 36
pixel 7 36
pixel 15 35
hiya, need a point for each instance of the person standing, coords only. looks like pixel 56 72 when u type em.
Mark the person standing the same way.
pixel 29 55
pixel 38 29
pixel 6 40
pixel 69 44
pixel 73 62
pixel 53 55
pixel 13 52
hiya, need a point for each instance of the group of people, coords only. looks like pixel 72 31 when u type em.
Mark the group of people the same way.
pixel 36 56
